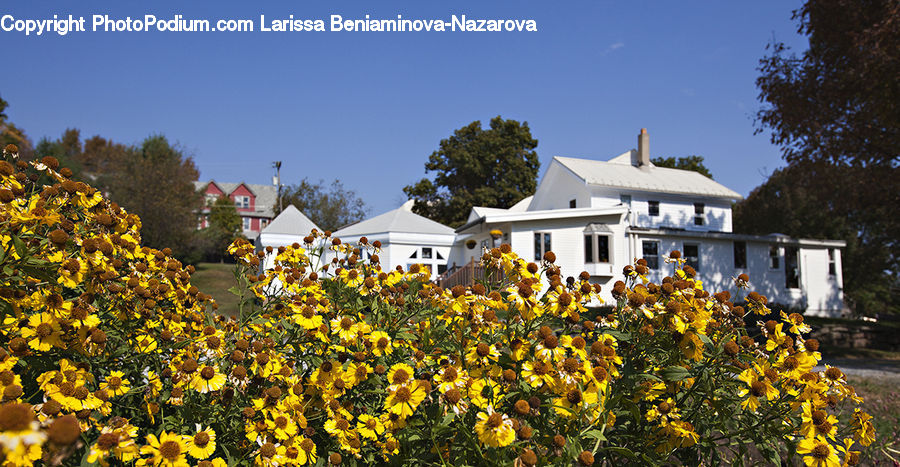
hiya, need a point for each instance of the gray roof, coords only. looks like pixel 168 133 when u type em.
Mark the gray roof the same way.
pixel 398 220
pixel 292 222
pixel 616 174
pixel 266 195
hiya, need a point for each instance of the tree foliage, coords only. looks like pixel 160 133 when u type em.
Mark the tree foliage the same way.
pixel 11 134
pixel 224 226
pixel 693 163
pixel 835 112
pixel 328 206
pixel 155 181
pixel 496 167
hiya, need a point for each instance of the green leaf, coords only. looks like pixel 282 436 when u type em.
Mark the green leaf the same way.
pixel 235 290
pixel 20 246
pixel 620 451
pixel 595 434
pixel 674 373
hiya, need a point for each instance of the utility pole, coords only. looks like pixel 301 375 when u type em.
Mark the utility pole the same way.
pixel 276 180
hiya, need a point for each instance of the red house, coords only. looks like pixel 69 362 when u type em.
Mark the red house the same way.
pixel 254 203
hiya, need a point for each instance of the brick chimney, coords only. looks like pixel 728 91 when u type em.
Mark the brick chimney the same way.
pixel 643 159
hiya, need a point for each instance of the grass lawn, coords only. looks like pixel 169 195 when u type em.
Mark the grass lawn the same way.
pixel 215 279
pixel 882 401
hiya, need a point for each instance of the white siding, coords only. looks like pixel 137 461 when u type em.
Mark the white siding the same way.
pixel 557 188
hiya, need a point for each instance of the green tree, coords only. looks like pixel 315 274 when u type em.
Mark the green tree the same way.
pixel 224 226
pixel 496 167
pixel 329 206
pixel 835 109
pixel 67 149
pixel 694 163
pixel 156 182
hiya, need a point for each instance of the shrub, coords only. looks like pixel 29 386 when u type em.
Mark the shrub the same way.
pixel 109 355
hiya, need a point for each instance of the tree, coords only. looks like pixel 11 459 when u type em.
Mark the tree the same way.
pixel 836 109
pixel 330 207
pixel 496 167
pixel 11 134
pixel 156 183
pixel 694 163
pixel 224 226
pixel 67 149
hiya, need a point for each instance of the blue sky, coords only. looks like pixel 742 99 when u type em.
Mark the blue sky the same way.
pixel 368 108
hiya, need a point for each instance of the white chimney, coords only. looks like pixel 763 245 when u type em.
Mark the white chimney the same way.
pixel 643 159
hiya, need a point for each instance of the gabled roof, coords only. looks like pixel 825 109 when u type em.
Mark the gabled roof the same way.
pixel 481 211
pixel 401 219
pixel 292 222
pixel 266 195
pixel 619 173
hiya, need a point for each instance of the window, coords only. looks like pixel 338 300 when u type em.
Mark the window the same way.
pixel 596 248
pixel 438 253
pixel 442 268
pixel 651 253
pixel 625 199
pixel 211 198
pixel 242 201
pixel 692 255
pixel 263 223
pixel 740 255
pixel 572 204
pixel 774 257
pixel 414 255
pixel 832 263
pixel 246 223
pixel 541 244
pixel 791 268
pixel 698 213
pixel 653 206
pixel 426 253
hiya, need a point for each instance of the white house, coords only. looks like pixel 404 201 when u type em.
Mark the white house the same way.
pixel 406 238
pixel 599 216
pixel 290 226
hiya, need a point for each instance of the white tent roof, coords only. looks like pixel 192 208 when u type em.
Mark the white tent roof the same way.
pixel 398 220
pixel 619 173
pixel 291 222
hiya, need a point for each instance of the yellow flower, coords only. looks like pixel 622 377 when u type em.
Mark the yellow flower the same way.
pixel 369 426
pixel 115 384
pixel 43 332
pixel 400 374
pixel 208 379
pixel 404 399
pixel 168 450
pixel 494 429
pixel 381 343
pixel 817 452
pixel 451 377
pixel 282 425
pixel 202 444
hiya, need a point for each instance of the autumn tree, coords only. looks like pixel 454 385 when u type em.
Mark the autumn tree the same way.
pixel 224 225
pixel 693 163
pixel 330 206
pixel 835 112
pixel 494 167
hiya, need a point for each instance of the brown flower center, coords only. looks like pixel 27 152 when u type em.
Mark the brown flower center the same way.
pixel 201 439
pixel 402 395
pixel 170 450
pixel 495 420
pixel 43 330
pixel 400 376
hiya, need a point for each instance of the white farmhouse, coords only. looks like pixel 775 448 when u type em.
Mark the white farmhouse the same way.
pixel 600 216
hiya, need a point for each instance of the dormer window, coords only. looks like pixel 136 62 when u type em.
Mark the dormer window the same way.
pixel 653 207
pixel 572 204
pixel 242 201
pixel 698 213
